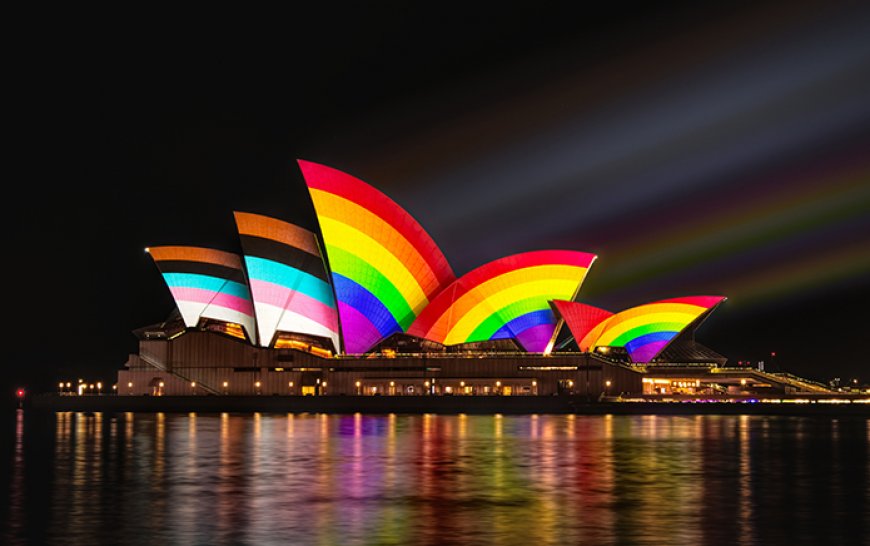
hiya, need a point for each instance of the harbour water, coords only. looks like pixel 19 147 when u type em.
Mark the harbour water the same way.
pixel 532 480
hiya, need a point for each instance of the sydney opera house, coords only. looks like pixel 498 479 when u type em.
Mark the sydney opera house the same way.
pixel 370 306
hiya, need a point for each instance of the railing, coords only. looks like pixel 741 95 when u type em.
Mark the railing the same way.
pixel 780 377
pixel 160 366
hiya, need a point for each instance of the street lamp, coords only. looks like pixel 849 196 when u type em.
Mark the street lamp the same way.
pixel 358 386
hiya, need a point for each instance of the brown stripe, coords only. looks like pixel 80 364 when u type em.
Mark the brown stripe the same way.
pixel 265 227
pixel 195 254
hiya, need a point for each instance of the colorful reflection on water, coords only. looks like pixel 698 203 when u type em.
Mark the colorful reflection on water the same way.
pixel 435 479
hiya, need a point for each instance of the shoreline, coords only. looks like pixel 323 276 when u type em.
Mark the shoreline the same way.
pixel 472 405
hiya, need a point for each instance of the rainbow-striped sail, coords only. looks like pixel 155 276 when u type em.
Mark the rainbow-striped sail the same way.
pixel 645 331
pixel 506 298
pixel 288 279
pixel 385 267
pixel 206 283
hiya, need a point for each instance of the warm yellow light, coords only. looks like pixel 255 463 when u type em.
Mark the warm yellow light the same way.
pixel 129 384
pixel 607 383
pixel 161 384
pixel 60 385
pixel 462 383
pixel 743 382
pixel 291 384
pixel 226 383
pixel 426 383
pixel 358 383
pixel 257 384
pixel 92 386
pixel 68 384
pixel 324 384
pixel 99 385
pixel 570 383
pixel 193 384
pixel 498 383
pixel 392 383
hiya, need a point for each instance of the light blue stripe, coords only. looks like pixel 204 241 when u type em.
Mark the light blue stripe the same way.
pixel 262 269
pixel 206 282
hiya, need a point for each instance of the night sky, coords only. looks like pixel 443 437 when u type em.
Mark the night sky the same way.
pixel 695 150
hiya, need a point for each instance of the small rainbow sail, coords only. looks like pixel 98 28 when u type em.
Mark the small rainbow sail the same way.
pixel 646 330
pixel 385 267
pixel 206 283
pixel 506 298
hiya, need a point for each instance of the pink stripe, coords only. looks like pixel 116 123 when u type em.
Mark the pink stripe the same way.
pixel 291 300
pixel 240 305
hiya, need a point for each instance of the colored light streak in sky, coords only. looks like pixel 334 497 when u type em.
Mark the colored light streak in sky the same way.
pixel 734 166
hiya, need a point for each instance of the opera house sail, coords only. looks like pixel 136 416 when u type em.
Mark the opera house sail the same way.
pixel 289 282
pixel 385 267
pixel 207 284
pixel 505 299
pixel 644 331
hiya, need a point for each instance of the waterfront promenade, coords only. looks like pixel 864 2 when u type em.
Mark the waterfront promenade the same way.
pixel 513 405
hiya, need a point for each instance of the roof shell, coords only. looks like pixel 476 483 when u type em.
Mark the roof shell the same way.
pixel 385 268
pixel 288 279
pixel 206 283
pixel 505 298
pixel 644 331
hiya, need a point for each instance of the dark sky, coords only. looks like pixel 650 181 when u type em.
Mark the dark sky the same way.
pixel 696 150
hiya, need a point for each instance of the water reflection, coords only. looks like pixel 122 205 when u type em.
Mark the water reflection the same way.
pixel 435 479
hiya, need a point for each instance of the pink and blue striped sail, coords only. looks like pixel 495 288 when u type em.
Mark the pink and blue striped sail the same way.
pixel 288 279
pixel 206 284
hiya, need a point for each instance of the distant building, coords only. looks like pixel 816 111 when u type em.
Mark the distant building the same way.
pixel 374 308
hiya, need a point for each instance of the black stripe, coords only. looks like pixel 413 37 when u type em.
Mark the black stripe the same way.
pixel 285 254
pixel 201 268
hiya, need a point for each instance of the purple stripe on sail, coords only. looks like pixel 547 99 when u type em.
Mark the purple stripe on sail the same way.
pixel 536 338
pixel 358 332
pixel 647 352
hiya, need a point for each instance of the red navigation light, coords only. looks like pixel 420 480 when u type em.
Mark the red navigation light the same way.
pixel 20 393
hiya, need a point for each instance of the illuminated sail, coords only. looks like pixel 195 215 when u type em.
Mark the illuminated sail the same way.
pixel 646 330
pixel 506 298
pixel 206 283
pixel 288 279
pixel 385 267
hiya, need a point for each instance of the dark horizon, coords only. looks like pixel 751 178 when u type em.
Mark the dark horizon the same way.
pixel 696 150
